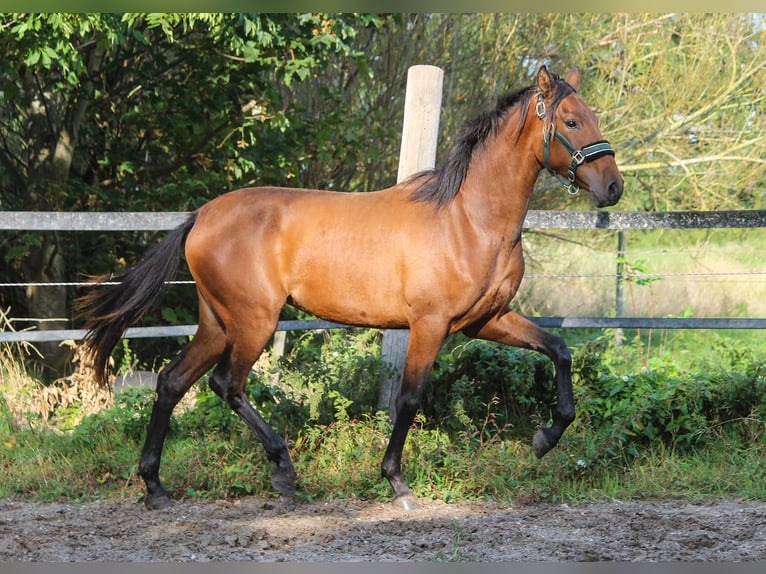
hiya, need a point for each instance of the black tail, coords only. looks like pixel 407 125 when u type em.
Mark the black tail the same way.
pixel 108 311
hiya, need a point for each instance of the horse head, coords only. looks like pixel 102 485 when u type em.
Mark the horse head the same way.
pixel 573 148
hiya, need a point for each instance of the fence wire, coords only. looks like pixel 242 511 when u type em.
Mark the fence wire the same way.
pixel 624 276
pixel 535 220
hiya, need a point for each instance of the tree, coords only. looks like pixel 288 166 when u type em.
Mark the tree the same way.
pixel 686 101
pixel 679 95
pixel 166 111
pixel 110 111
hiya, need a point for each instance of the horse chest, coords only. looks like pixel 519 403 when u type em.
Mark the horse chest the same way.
pixel 501 282
pixel 499 296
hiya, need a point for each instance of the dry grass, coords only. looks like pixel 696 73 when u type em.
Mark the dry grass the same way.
pixel 732 293
pixel 31 403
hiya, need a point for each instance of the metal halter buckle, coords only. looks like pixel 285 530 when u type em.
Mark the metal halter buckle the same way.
pixel 540 108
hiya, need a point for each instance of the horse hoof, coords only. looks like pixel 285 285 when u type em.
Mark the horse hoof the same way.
pixel 160 502
pixel 284 485
pixel 540 443
pixel 407 502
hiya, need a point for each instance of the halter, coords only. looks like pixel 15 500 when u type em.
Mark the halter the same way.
pixel 588 153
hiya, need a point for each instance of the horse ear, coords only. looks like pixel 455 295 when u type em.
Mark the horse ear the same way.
pixel 573 78
pixel 544 81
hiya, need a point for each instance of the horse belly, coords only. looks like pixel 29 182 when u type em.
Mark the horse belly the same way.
pixel 347 295
pixel 355 287
pixel 359 259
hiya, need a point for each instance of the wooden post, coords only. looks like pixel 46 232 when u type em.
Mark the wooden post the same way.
pixel 420 133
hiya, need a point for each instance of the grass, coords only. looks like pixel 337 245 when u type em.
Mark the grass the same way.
pixel 731 469
pixel 618 447
pixel 455 553
pixel 44 469
pixel 343 461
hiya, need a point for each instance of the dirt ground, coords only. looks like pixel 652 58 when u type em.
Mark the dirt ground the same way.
pixel 255 529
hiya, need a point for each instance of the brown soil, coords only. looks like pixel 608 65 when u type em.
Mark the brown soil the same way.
pixel 351 530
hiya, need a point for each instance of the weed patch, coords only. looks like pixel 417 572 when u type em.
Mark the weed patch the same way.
pixel 691 430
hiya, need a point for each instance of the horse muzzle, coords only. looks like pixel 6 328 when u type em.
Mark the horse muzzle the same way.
pixel 610 194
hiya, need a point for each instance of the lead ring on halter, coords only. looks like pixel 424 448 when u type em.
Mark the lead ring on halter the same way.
pixel 588 153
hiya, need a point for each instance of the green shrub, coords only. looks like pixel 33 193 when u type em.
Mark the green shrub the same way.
pixel 327 369
pixel 620 415
pixel 127 417
pixel 211 415
pixel 476 379
pixel 693 427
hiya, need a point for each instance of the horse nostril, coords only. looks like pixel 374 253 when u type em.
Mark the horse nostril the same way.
pixel 614 191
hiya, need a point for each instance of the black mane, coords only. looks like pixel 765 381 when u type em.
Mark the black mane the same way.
pixel 440 186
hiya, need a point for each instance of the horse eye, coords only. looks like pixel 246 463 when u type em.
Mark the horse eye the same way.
pixel 570 124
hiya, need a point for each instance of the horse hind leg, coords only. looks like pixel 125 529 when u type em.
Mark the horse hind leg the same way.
pixel 173 382
pixel 228 382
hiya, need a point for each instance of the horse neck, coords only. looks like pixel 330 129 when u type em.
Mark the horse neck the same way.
pixel 499 184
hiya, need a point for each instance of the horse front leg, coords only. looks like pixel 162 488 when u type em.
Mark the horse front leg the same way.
pixel 514 330
pixel 424 344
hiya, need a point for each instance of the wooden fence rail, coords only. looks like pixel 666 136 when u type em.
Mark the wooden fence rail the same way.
pixel 146 221
pixel 161 221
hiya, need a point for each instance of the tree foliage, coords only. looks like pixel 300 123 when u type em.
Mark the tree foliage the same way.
pixel 687 103
pixel 136 99
pixel 146 112
pixel 166 111
pixel 679 95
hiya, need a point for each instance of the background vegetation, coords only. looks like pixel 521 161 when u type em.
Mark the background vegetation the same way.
pixel 127 112
pixel 120 112
pixel 691 424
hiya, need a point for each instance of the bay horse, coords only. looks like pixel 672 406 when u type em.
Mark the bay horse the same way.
pixel 436 254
